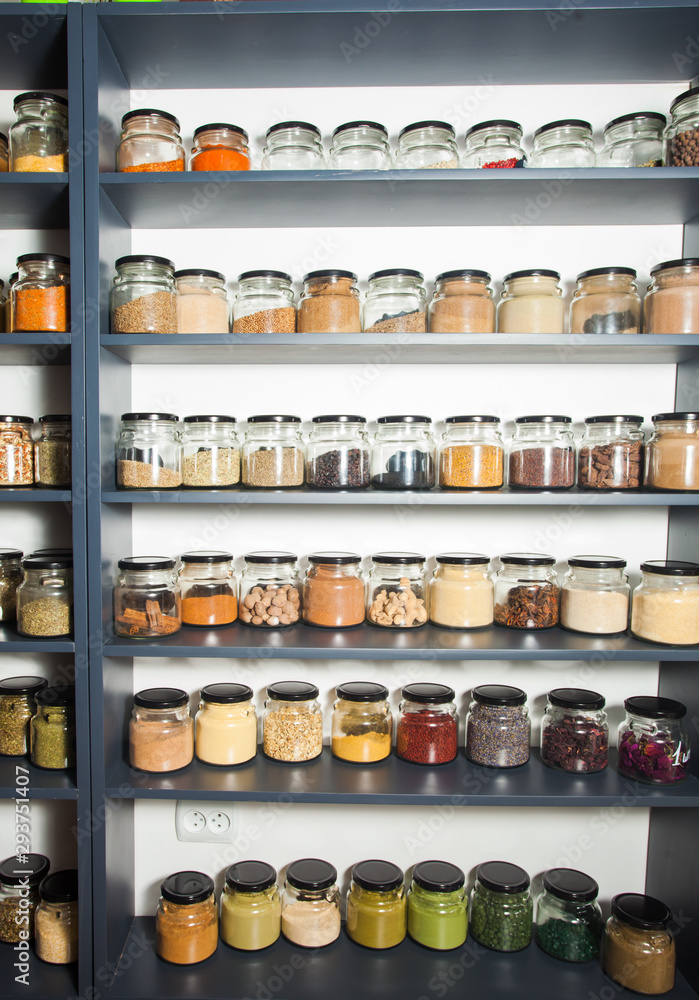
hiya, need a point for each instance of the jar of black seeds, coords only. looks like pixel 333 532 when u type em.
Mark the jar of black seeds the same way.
pixel 498 729
pixel 338 455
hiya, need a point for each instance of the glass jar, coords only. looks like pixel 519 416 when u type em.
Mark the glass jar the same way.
pixel 52 729
pixel 531 302
pixel 462 303
pixel 293 722
pixel 226 726
pixel 639 949
pixel 9 319
pixel 498 730
pixel 207 589
pixel 329 303
pixel 144 296
pixel 671 304
pixel 150 142
pixel 672 455
pixel 568 917
pixel 360 146
pixel 611 453
pixel 471 454
pixel 526 591
pixel 264 303
pixel 273 452
pixel 202 302
pixel 161 731
pixel 634 140
pixel 395 302
pixel 403 454
pixel 563 144
pixel 501 906
pixel 311 904
pixel 251 906
pixel 427 724
pixel 20 877
pixel 665 607
pixel 210 451
pixel 293 146
pixel 338 454
pixel 427 146
pixel 41 294
pixel 56 918
pixel 494 144
pixel 17 708
pixel 39 137
pixel 438 906
pixel 461 591
pixel 16 451
pixel 220 147
pixel 396 590
pixel 333 590
pixel 653 744
pixel 147 598
pixel 682 133
pixel 595 595
pixel 377 911
pixel 148 452
pixel 362 723
pixel 542 453
pixel 4 156
pixel 266 573
pixel 45 596
pixel 606 301
pixel 11 576
pixel 186 923
pixel 574 731
pixel 52 451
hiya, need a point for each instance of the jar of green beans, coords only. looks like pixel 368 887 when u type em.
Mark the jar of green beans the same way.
pixel 438 906
pixel 501 906
pixel 568 917
pixel 53 729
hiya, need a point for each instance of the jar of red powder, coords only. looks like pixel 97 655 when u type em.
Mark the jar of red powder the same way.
pixel 427 724
pixel 220 147
pixel 150 143
pixel 208 589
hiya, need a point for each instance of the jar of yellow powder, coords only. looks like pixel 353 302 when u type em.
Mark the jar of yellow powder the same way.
pixel 362 722
pixel 377 915
pixel 226 725
pixel 251 907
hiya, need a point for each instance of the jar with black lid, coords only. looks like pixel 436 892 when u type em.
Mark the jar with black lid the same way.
pixel 264 303
pixel 273 452
pixel 395 302
pixel 45 596
pixel 653 744
pixel 39 137
pixel 56 918
pixel 20 878
pixel 606 301
pixel 220 146
pixel 186 923
pixel 595 595
pixel 208 592
pixel 568 917
pixel 251 906
pixel 11 576
pixel 52 452
pixel 41 294
pixel 462 303
pixel 377 912
pixel 362 723
pixel 210 451
pixel 143 298
pixel 311 903
pixel 292 722
pixel 403 454
pixel 52 729
pixel 161 731
pixel 202 301
pixel 665 606
pixel 428 145
pixel 150 142
pixel 682 135
pixel 498 730
pixel 329 302
pixel 17 708
pixel 639 947
pixel 360 146
pixel 147 598
pixel 148 452
pixel 526 592
pixel 269 590
pixel 333 590
pixel 531 302
pixel 401 574
pixel 16 451
pixel 542 453
pixel 338 453
pixel 501 906
pixel 494 144
pixel 438 906
pixel 575 732
pixel 471 454
pixel 564 143
pixel 611 455
pixel 634 140
pixel 293 146
pixel 428 723
pixel 671 305
pixel 672 455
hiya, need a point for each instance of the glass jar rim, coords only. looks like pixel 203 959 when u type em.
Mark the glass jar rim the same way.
pixel 186 888
pixel 146 563
pixel 339 418
pixel 329 273
pixel 674 417
pixel 206 556
pixel 494 123
pixel 653 707
pixel 438 876
pixel 532 272
pixel 334 558
pixel 226 694
pixel 404 419
pixel 128 418
pixel 462 559
pixel 563 123
pixel 544 418
pixel 221 127
pixel 10 554
pixel 571 885
pixel 144 258
pixel 271 558
pixel 468 272
pixel 428 693
pixel 43 258
pixel 292 691
pixel 361 691
pixel 144 112
pixel 670 567
pixel 361 124
pixel 24 684
pixel 473 418
pixel 639 910
pixel 311 873
pixel 577 698
pixel 200 272
pixel 377 876
pixel 161 697
pixel 209 418
pixel 619 418
pixel 692 92
pixel 56 418
pixel 594 272
pixel 264 273
pixel 416 126
pixel 397 272
pixel 597 562
pixel 499 694
pixel 636 116
pixel 502 876
pixel 47 562
pixel 273 418
pixel 282 126
pixel 60 886
pixel 38 95
pixel 35 868
pixel 251 876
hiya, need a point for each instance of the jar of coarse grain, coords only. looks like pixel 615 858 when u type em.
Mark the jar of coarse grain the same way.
pixel 52 451
pixel 461 591
pixel 611 454
pixel 311 904
pixel 682 135
pixel 565 143
pixel 148 452
pixel 220 147
pixel 542 453
pixel 56 918
pixel 403 453
pixel 377 909
pixel 186 922
pixel 338 453
pixel 293 722
pixel 665 606
pixel 20 877
pixel 161 731
pixel 634 140
pixel 4 154
pixel 568 917
pixel 9 321
pixel 52 729
pixel 671 304
pixel 362 723
pixel 438 906
pixel 494 144
pixel 360 146
pixel 501 907
pixel 531 302
pixel 202 302
pixel 638 947
pixel 273 452
pixel 150 143
pixel 396 590
pixel 427 146
pixel 45 596
pixel 428 724
pixel 606 300
pixel 471 455
pixel 498 730
pixel 251 906
pixel 17 708
pixel 11 576
pixel 226 725
pixel 293 146
pixel 41 294
pixel 652 741
pixel 269 590
pixel 264 303
pixel 210 451
pixel 595 595
pixel 146 598
pixel 16 451
pixel 333 590
pixel 144 296
pixel 575 731
pixel 207 589
pixel 526 591
pixel 39 137
pixel 395 302
pixel 329 303
pixel 672 455
pixel 462 303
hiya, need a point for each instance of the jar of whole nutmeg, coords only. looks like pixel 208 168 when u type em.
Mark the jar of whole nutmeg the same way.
pixel 396 590
pixel 462 303
pixel 329 303
pixel 269 590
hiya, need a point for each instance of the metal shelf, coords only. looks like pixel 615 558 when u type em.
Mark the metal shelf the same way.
pixel 44 981
pixel 35 349
pixel 33 201
pixel 33 494
pixel 43 784
pixel 12 642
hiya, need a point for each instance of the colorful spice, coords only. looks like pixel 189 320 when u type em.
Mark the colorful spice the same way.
pixel 152 313
pixel 210 609
pixel 639 949
pixel 41 309
pixel 575 744
pixel 498 730
pixel 529 606
pixel 333 594
pixel 611 466
pixel 274 467
pixel 438 906
pixel 542 468
pixel 251 907
pixel 282 320
pixel 220 158
pixel 364 748
pixel 401 608
pixel 272 606
pixel 471 466
pixel 186 924
pixel 501 907
pixel 339 469
pixel 653 758
pixel 167 166
pixel 46 616
pixel 377 912
pixel 427 737
pixel 57 164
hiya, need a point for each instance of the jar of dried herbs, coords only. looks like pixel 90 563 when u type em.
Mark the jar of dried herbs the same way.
pixel 57 918
pixel 16 451
pixel 20 877
pixel 526 592
pixel 11 576
pixel 52 730
pixel 210 451
pixel 45 597
pixel 52 451
pixel 161 731
pixel 574 731
pixel 147 598
pixel 498 730
pixel 639 949
pixel 186 924
pixel 17 708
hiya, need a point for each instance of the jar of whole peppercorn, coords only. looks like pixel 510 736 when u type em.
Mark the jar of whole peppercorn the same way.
pixel 501 906
pixel 568 917
pixel 498 730
pixel 494 144
pixel 338 454
pixel 526 592
pixel 150 143
pixel 682 135
pixel 542 453
pixel 611 453
pixel 396 592
pixel 574 731
pixel 427 724
pixel 471 454
pixel 41 294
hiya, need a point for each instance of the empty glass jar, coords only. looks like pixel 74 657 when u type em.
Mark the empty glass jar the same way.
pixel 563 144
pixel 264 303
pixel 403 454
pixel 220 147
pixel 150 142
pixel 148 452
pixel 634 140
pixel 574 731
pixel 639 949
pixel 144 295
pixel 498 730
pixel 395 302
pixel 462 303
pixel 293 146
pixel 146 598
pixel 377 912
pixel 329 303
pixel 428 724
pixel 17 708
pixel 595 595
pixel 671 304
pixel 611 453
pixel 202 302
pixel 672 454
pixel 311 904
pixel 526 591
pixel 682 135
pixel 52 729
pixel 269 590
pixel 186 923
pixel 653 744
pixel 606 300
pixel 39 137
pixel 210 451
pixel 427 146
pixel 402 575
pixel 542 453
pixel 471 455
pixel 41 294
pixel 568 917
pixel 362 722
pixel 45 597
pixel 665 605
pixel 161 731
pixel 273 452
pixel 207 587
pixel 52 451
pixel 360 146
pixel 16 451
pixel 531 302
pixel 501 906
pixel 251 906
pixel 338 453
pixel 494 144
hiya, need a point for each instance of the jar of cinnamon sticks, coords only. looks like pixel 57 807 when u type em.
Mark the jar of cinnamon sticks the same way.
pixel 147 598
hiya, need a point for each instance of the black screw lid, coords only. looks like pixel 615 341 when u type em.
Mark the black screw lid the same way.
pixel 40 95
pixel 226 694
pixel 338 418
pixel 292 691
pixel 273 418
pixel 56 418
pixel 576 698
pixel 10 554
pixel 187 887
pixel 22 685
pixel 598 271
pixel 651 707
pixel 209 418
pixel 60 887
pixel 533 272
pixel 161 698
pixel 329 273
pixel 462 559
pixel 55 696
pixel 527 559
pixel 499 694
pixel 426 693
pixel 692 92
pixel 220 126
pixel 404 419
pixel 270 558
pixel 473 418
pixel 377 876
pixel 45 258
pixel 390 272
pixel 200 272
pixel 544 418
pixel 361 691
pixel 144 258
pixel 9 418
pixel 311 873
pixel 47 562
pixel 563 123
pixel 335 558
pixel 597 562
pixel 350 125
pixel 438 876
pixel 670 567
pixel 280 126
pixel 398 558
pixel 263 273
pixel 468 272
pixel 501 876
pixel 59 553
pixel 493 123
pixel 685 415
pixel 680 262
pixel 641 911
pixel 145 563
pixel 210 556
pixel 32 869
pixel 140 112
pixel 251 876
pixel 170 417
pixel 636 116
pixel 615 418
pixel 570 884
pixel 427 124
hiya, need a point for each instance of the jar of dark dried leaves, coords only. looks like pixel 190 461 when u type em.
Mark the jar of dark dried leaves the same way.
pixel 526 591
pixel 574 731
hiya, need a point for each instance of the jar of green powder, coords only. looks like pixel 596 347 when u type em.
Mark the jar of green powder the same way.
pixel 17 707
pixel 376 905
pixel 438 906
pixel 53 729
pixel 501 907
pixel 568 916
pixel 20 877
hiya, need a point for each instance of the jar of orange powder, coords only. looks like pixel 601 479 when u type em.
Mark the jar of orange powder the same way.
pixel 220 147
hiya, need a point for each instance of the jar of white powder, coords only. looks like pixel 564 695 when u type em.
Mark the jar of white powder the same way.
pixel 595 595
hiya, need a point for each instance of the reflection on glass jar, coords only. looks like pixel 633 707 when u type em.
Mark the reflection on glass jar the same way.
pixel 634 140
pixel 360 146
pixel 565 143
pixel 293 146
pixel 150 143
pixel 39 137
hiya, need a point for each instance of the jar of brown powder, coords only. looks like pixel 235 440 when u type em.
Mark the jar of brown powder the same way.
pixel 462 303
pixel 186 924
pixel 639 949
pixel 161 733
pixel 333 590
pixel 671 304
pixel 329 303
pixel 672 455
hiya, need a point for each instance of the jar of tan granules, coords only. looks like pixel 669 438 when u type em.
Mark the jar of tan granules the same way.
pixel 148 452
pixel 595 595
pixel 210 451
pixel 471 455
pixel 56 918
pixel 462 303
pixel 161 732
pixel 671 304
pixel 395 302
pixel 264 303
pixel 293 722
pixel 144 296
pixel 639 949
pixel 672 454
pixel 202 302
pixel 20 877
pixel 273 452
pixel 329 303
pixel 665 606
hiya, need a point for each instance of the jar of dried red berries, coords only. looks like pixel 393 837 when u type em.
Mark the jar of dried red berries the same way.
pixel 427 724
pixel 575 732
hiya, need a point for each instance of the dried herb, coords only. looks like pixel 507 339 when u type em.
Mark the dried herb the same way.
pixel 657 759
pixel 575 744
pixel 529 606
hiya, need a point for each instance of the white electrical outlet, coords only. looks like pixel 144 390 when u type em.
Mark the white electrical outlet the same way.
pixel 205 822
